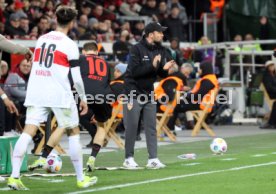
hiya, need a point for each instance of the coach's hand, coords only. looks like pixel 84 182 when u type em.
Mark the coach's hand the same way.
pixel 168 65
pixel 10 106
pixel 156 60
pixel 83 108
pixel 29 55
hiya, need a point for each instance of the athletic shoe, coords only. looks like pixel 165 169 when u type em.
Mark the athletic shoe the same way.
pixel 16 184
pixel 2 179
pixel 91 164
pixel 88 181
pixel 130 163
pixel 40 163
pixel 155 164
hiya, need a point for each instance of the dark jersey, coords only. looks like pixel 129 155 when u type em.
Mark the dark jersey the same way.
pixel 95 73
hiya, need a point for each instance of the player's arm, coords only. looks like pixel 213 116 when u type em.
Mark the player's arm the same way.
pixel 78 82
pixel 10 47
pixel 8 103
pixel 73 58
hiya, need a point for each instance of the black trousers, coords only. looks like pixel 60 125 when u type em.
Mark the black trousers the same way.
pixel 2 117
pixel 85 122
pixel 272 120
pixel 182 107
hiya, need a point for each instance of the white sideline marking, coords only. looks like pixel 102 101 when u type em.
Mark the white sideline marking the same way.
pixel 191 164
pixel 56 181
pixel 228 159
pixel 171 178
pixel 5 189
pixel 40 179
pixel 49 180
pixel 273 153
pixel 258 155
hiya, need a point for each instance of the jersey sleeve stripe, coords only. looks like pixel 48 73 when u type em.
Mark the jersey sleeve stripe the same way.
pixel 61 59
pixel 37 54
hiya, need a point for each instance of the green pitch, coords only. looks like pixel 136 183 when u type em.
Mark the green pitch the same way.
pixel 249 166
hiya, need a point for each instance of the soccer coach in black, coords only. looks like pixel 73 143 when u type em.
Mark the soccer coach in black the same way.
pixel 148 59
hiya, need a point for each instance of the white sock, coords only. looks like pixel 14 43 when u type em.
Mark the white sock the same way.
pixel 18 153
pixel 76 155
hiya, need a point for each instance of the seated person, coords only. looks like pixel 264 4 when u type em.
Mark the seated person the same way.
pixel 176 81
pixel 269 81
pixel 15 88
pixel 4 71
pixel 200 94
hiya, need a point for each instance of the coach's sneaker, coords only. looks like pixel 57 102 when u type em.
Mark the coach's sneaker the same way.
pixel 91 164
pixel 2 179
pixel 155 164
pixel 88 181
pixel 40 163
pixel 16 184
pixel 130 163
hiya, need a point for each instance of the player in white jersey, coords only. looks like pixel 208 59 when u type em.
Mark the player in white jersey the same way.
pixel 49 90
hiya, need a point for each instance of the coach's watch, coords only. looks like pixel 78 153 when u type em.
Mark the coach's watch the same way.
pixel 4 96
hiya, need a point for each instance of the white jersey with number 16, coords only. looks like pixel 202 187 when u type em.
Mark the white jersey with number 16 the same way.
pixel 48 84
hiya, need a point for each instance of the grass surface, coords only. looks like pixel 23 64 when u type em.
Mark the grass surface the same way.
pixel 219 177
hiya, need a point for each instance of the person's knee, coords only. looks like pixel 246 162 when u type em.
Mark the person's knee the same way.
pixel 100 135
pixel 73 131
pixel 30 129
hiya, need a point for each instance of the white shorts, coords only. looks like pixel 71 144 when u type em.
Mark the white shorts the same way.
pixel 67 118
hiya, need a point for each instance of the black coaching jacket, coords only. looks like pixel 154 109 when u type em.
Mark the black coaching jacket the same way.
pixel 140 73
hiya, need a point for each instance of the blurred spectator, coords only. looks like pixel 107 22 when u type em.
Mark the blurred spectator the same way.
pixel 130 8
pixel 24 25
pixel 162 12
pixel 42 4
pixel 2 28
pixel 175 25
pixel 4 71
pixel 43 26
pixel 34 33
pixel 18 9
pixel 269 81
pixel 113 5
pixel 20 76
pixel 2 8
pixel 203 54
pixel 50 6
pixel 175 52
pixel 264 31
pixel 109 13
pixel 35 13
pixel 82 24
pixel 238 38
pixel 98 13
pixel 122 47
pixel 126 26
pixel 12 28
pixel 15 88
pixel 85 9
pixel 138 30
pixel 182 15
pixel 149 9
pixel 9 9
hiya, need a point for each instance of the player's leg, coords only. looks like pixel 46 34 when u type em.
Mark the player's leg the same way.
pixel 69 120
pixel 149 121
pixel 35 115
pixel 76 156
pixel 132 113
pixel 102 113
pixel 54 139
